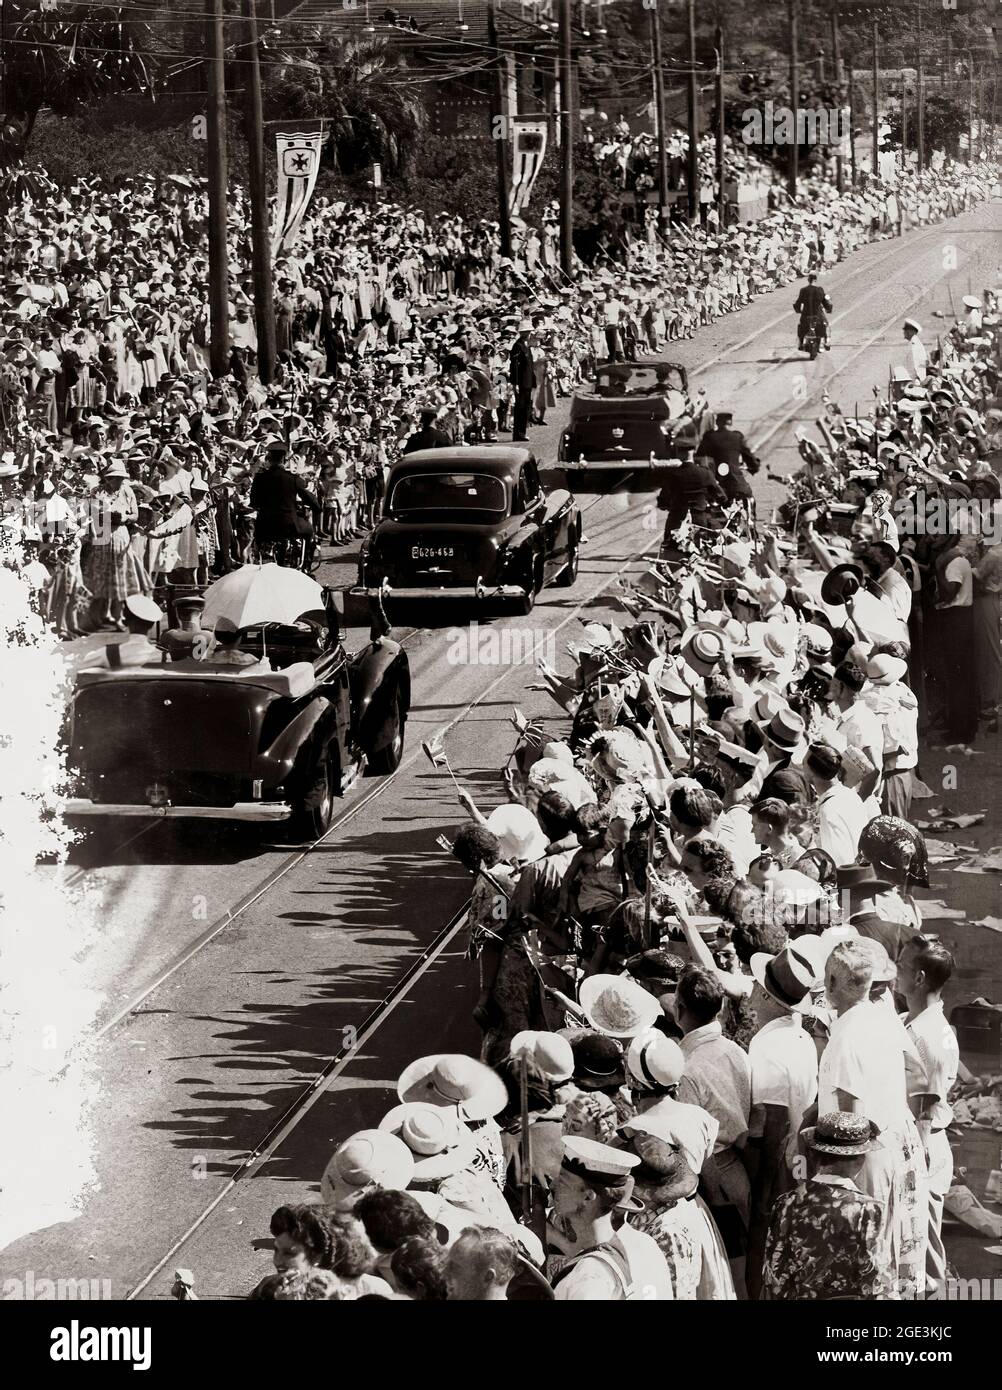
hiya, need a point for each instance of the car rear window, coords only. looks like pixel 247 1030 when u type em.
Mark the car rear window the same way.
pixel 448 492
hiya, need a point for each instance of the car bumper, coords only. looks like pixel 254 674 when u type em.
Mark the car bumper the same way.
pixel 241 810
pixel 454 591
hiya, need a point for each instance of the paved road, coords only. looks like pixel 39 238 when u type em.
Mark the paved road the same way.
pixel 235 971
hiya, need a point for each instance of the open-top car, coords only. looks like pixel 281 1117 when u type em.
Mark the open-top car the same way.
pixel 273 727
pixel 632 417
pixel 473 522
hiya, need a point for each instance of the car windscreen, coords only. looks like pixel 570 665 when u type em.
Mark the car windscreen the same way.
pixel 448 492
pixel 618 379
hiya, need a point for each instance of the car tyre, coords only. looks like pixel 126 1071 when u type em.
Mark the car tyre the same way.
pixel 569 573
pixel 314 813
pixel 387 759
pixel 524 606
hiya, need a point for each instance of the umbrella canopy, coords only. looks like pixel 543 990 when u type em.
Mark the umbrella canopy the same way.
pixel 262 594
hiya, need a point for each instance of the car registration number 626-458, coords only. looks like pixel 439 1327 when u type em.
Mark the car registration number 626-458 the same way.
pixel 431 552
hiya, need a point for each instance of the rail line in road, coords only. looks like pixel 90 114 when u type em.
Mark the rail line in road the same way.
pixel 297 1110
pixel 280 871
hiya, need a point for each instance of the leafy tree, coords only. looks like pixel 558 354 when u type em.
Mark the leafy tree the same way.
pixel 67 58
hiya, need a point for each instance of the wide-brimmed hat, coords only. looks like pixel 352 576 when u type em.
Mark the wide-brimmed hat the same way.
pixel 370 1158
pixel 843 1134
pixel 788 977
pixel 114 470
pixel 549 1055
pixel 655 1060
pixel 841 583
pixel 438 1140
pixel 448 1078
pixel 861 877
pixel 618 1006
pixel 518 831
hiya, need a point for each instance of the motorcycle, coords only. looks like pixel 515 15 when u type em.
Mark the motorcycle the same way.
pixel 813 337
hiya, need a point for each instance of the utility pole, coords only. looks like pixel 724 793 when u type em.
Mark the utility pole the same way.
pixel 970 109
pixel 692 113
pixel 852 121
pixel 838 76
pixel 876 102
pixel 948 65
pixel 566 143
pixel 794 166
pixel 499 130
pixel 264 302
pixel 920 94
pixel 219 282
pixel 718 43
pixel 904 121
pixel 659 111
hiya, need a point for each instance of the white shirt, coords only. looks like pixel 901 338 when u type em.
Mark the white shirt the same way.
pixel 649 1277
pixel 860 728
pixel 919 358
pixel 936 1045
pixel 865 1057
pixel 841 819
pixel 898 592
pixel 958 571
pixel 734 831
pixel 784 1067
pixel 612 312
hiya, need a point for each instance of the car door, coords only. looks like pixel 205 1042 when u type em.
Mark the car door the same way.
pixel 552 537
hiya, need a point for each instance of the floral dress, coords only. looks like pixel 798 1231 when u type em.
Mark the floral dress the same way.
pixel 824 1242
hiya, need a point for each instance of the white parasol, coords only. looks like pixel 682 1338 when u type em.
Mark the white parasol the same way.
pixel 262 594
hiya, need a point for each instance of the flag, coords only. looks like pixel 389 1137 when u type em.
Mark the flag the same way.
pixel 528 148
pixel 298 165
pixel 434 752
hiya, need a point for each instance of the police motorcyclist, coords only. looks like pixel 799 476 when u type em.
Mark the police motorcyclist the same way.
pixel 813 303
pixel 274 496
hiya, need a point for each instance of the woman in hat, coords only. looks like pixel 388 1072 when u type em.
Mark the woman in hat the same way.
pixel 113 572
pixel 825 1237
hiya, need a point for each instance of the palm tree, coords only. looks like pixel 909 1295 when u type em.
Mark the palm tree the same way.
pixel 358 84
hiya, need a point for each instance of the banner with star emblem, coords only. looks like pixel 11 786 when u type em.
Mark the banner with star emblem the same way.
pixel 528 148
pixel 298 165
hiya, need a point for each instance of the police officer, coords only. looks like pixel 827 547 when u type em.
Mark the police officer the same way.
pixel 725 450
pixel 522 375
pixel 813 303
pixel 690 490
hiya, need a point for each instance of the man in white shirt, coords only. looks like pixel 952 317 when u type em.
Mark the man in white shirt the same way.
pixel 924 967
pixel 612 313
pixel 956 597
pixel 896 707
pixel 842 815
pixel 857 728
pixel 784 1084
pixel 918 356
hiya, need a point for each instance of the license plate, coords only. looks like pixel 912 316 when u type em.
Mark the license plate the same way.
pixel 432 552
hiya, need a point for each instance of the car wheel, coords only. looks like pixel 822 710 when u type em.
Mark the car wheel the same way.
pixel 387 759
pixel 569 573
pixel 314 813
pixel 533 583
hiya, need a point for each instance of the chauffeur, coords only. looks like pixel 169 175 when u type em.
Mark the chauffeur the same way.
pixel 141 616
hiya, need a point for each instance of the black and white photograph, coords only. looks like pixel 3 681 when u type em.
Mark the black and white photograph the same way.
pixel 501 624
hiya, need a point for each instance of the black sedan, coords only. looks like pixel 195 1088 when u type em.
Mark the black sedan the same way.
pixel 471 522
pixel 633 417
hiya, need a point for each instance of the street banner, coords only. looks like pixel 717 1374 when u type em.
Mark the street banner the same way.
pixel 528 148
pixel 298 152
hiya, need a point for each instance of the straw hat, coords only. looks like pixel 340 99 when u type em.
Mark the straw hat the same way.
pixel 618 1006
pixel 452 1079
pixel 370 1158
pixel 842 1134
pixel 438 1140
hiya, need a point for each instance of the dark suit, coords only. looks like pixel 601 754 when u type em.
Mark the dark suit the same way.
pixel 729 447
pixel 521 374
pixel 812 302
pixel 427 438
pixel 273 496
pixel 692 490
